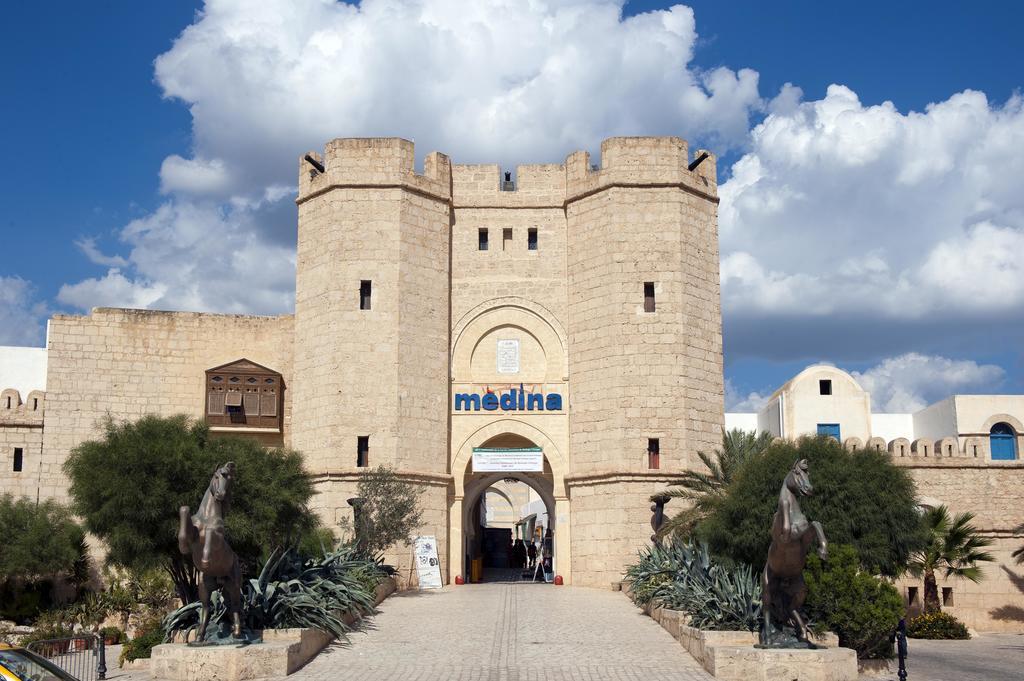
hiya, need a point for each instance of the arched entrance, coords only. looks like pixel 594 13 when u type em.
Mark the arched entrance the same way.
pixel 549 485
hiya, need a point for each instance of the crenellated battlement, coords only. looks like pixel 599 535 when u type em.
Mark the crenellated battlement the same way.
pixel 390 162
pixel 14 411
pixel 373 162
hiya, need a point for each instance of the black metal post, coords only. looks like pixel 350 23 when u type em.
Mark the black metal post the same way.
pixel 101 668
pixel 900 637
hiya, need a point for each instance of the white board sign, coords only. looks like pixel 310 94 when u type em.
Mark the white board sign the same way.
pixel 428 567
pixel 526 460
pixel 508 356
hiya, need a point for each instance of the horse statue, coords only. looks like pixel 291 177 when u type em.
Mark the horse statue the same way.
pixel 782 584
pixel 202 536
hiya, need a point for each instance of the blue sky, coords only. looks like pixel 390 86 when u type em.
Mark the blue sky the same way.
pixel 143 155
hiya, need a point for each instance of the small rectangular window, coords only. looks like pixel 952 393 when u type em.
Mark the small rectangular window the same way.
pixel 481 243
pixel 363 451
pixel 18 459
pixel 506 239
pixel 365 292
pixel 653 453
pixel 947 596
pixel 825 386
pixel 911 595
pixel 649 296
pixel 531 239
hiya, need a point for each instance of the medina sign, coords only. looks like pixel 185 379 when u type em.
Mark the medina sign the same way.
pixel 515 399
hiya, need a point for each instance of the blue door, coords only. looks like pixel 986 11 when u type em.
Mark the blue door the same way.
pixel 1003 442
pixel 829 430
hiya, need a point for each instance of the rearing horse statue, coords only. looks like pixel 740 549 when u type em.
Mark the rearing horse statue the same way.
pixel 782 584
pixel 202 535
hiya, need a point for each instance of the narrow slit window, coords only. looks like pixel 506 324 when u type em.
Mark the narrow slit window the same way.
pixel 19 459
pixel 653 453
pixel 506 239
pixel 531 239
pixel 481 243
pixel 363 451
pixel 825 386
pixel 947 596
pixel 365 294
pixel 911 595
pixel 649 305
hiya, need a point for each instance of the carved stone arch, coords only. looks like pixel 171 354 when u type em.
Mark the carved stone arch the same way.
pixel 852 444
pixel 531 317
pixel 1014 422
pixel 976 447
pixel 555 458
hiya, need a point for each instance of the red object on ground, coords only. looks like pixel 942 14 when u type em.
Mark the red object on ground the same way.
pixel 558 580
pixel 459 579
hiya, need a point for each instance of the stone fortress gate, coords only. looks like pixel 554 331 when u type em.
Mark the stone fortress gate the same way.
pixel 567 321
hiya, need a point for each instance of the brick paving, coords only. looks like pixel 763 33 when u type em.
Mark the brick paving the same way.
pixel 511 631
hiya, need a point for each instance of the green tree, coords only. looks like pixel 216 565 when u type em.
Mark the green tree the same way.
pixel 40 539
pixel 704 490
pixel 860 497
pixel 129 484
pixel 861 609
pixel 954 546
pixel 391 508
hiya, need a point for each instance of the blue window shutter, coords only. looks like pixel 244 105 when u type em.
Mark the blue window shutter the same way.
pixel 829 429
pixel 1003 442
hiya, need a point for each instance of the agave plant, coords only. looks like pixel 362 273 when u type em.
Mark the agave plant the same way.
pixel 681 575
pixel 294 592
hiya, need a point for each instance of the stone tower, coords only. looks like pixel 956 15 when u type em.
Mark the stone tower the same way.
pixel 642 221
pixel 372 320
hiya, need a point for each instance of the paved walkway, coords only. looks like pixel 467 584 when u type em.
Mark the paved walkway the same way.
pixel 986 657
pixel 511 631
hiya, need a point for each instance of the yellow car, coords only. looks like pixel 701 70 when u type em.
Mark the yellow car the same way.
pixel 18 664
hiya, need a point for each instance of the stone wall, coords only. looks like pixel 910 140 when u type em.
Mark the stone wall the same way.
pixel 128 363
pixel 21 427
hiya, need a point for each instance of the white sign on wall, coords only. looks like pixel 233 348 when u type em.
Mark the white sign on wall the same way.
pixel 508 356
pixel 428 567
pixel 516 460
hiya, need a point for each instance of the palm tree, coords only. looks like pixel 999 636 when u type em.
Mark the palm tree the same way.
pixel 1019 553
pixel 955 547
pixel 705 490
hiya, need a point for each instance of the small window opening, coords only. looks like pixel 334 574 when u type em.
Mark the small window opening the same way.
pixel 8 401
pixel 653 453
pixel 947 596
pixel 35 404
pixel 649 305
pixel 363 451
pixel 531 239
pixel 911 595
pixel 825 386
pixel 18 459
pixel 365 293
pixel 482 240
pixel 236 414
pixel 506 239
pixel 508 185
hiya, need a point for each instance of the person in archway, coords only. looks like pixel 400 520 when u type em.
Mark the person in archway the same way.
pixel 546 552
pixel 531 554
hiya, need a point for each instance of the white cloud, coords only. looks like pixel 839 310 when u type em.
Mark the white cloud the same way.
pixel 912 381
pixel 846 211
pixel 492 81
pixel 21 315
pixel 88 246
pixel 736 401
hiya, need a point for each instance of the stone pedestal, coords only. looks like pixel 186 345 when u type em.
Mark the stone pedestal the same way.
pixel 282 653
pixel 746 663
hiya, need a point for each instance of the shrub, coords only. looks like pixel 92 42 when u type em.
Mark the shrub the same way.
pixel 860 608
pixel 295 592
pixel 391 510
pixel 113 635
pixel 861 499
pixel 56 623
pixel 150 634
pixel 682 576
pixel 129 484
pixel 937 625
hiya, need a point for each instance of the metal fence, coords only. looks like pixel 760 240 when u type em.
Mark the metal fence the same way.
pixel 84 657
